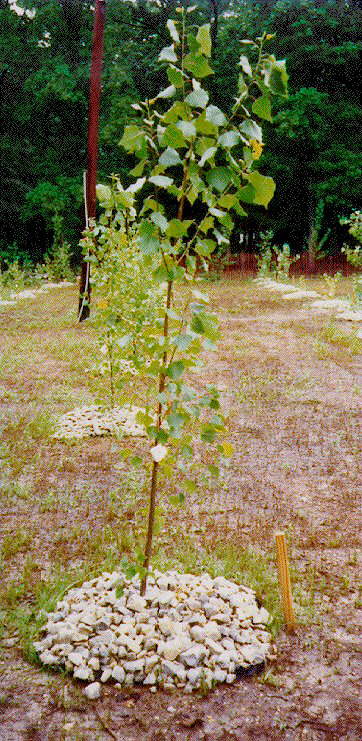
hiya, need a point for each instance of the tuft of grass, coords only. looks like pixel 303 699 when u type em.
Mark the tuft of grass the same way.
pixel 334 335
pixel 15 542
pixel 41 426
pixel 258 390
pixel 243 565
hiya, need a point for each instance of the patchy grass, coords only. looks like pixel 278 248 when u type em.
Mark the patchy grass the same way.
pixel 333 334
pixel 73 509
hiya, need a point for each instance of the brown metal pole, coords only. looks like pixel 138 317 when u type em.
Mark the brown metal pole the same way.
pixel 93 118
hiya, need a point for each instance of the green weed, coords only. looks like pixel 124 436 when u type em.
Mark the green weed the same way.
pixel 41 426
pixel 333 334
pixel 331 282
pixel 244 566
pixel 258 390
pixel 270 678
pixel 322 350
pixel 15 542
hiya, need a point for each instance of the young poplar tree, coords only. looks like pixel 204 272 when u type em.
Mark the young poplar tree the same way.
pixel 196 166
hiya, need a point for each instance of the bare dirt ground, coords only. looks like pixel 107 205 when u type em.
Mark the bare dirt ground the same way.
pixel 291 391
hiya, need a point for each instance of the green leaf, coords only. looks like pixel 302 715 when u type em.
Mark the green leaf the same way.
pixel 173 137
pixel 264 188
pixel 175 370
pixel 138 170
pixel 245 65
pixel 227 201
pixel 177 110
pixel 187 451
pixel 125 340
pixel 252 130
pixel 214 470
pixel 152 431
pixel 169 157
pixel 208 434
pixel 177 228
pixel 187 128
pixel 182 342
pixel 198 98
pixel 226 449
pixel 193 45
pixel 207 155
pixel 125 199
pixel 168 54
pixel 247 42
pixel 158 525
pixel 215 115
pixel 173 315
pixel 206 224
pixel 229 139
pixel 205 127
pixel 247 193
pixel 239 210
pixel 104 192
pixel 204 324
pixel 136 186
pixel 119 591
pixel 175 420
pixel 162 436
pixel 262 108
pixel 192 195
pixel 136 461
pixel 190 486
pixel 219 178
pixel 133 139
pixel 175 76
pixel 162 181
pixel 160 273
pixel 216 212
pixel 197 65
pixel 277 79
pixel 130 571
pixel 150 203
pixel 220 238
pixel 168 92
pixel 148 242
pixel 171 25
pixel 204 39
pixel 205 247
pixel 242 86
pixel 160 220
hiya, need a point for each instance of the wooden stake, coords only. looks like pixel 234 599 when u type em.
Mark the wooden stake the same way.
pixel 284 581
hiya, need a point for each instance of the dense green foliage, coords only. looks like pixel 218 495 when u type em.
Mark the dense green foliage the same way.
pixel 313 152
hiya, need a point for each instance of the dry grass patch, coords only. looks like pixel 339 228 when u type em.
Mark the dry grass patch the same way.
pixel 73 509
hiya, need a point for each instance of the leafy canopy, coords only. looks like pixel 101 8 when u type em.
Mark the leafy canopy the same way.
pixel 195 166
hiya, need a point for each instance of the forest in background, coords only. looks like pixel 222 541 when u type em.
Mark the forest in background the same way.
pixel 312 149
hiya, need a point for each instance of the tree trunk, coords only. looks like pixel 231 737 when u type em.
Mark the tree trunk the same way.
pixel 93 117
pixel 151 524
pixel 311 259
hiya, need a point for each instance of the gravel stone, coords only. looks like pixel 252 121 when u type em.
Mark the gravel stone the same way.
pixel 106 675
pixel 187 630
pixel 93 691
pixel 118 673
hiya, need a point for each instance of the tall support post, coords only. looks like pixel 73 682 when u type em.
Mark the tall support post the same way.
pixel 92 156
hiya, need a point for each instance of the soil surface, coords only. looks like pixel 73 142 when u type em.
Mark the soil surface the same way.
pixel 294 409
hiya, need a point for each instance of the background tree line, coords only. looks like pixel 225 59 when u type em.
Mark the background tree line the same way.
pixel 313 148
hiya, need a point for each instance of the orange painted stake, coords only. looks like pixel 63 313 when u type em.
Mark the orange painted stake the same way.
pixel 284 581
